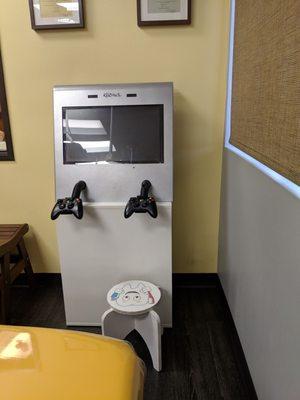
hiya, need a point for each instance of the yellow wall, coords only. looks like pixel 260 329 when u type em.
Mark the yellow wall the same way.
pixel 113 49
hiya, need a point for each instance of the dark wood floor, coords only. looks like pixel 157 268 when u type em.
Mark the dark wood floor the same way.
pixel 202 357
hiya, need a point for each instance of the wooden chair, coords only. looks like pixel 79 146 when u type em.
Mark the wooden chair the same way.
pixel 12 264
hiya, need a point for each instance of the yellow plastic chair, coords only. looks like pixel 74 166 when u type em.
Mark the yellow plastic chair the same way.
pixel 48 364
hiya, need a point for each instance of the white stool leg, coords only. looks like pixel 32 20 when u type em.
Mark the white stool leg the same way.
pixel 149 327
pixel 116 325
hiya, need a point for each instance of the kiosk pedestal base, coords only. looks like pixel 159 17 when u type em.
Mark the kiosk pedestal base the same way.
pixel 104 248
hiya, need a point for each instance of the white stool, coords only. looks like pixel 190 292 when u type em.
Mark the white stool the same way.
pixel 131 308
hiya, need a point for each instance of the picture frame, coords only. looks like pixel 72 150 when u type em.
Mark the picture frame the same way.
pixel 56 14
pixel 164 12
pixel 6 146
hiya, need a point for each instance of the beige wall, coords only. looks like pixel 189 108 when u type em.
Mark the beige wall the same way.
pixel 113 49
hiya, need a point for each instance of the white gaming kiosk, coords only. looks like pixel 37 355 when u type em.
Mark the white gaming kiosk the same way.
pixel 113 137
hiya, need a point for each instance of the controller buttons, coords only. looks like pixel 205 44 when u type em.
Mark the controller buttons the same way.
pixel 70 206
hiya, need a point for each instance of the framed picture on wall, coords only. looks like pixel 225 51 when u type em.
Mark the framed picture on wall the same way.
pixel 163 12
pixel 56 14
pixel 6 148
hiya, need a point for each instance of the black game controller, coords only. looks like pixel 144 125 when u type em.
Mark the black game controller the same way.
pixel 142 203
pixel 70 205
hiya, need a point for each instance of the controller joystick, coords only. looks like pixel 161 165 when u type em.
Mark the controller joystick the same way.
pixel 61 205
pixel 70 205
pixel 142 203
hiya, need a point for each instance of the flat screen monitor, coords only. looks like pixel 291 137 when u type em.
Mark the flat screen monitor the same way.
pixel 113 137
pixel 128 134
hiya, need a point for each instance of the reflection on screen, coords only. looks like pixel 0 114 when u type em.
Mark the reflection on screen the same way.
pixel 121 134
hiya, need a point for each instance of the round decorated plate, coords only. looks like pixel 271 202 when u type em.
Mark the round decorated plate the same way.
pixel 133 297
